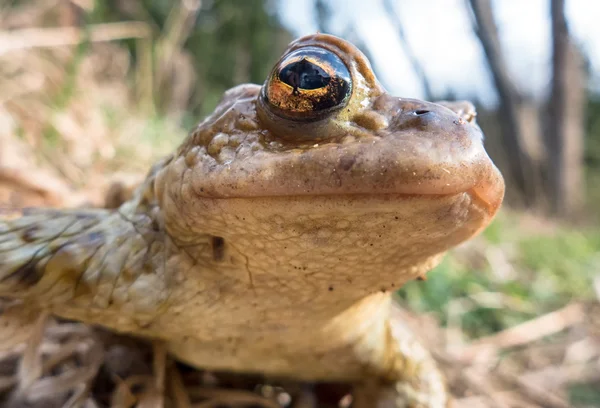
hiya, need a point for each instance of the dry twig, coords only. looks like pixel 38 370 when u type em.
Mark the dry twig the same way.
pixel 524 333
pixel 55 37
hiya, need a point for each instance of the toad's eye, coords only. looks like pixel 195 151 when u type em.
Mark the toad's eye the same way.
pixel 307 84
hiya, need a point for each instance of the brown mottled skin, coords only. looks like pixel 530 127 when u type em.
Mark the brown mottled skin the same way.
pixel 272 245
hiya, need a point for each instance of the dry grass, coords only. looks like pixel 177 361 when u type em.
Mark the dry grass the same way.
pixel 63 364
pixel 528 365
pixel 71 114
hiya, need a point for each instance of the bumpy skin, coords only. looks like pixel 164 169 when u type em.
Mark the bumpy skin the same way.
pixel 270 245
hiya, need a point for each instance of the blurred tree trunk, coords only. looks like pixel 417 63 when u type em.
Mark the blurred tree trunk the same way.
pixel 174 76
pixel 565 124
pixel 408 50
pixel 521 173
pixel 323 14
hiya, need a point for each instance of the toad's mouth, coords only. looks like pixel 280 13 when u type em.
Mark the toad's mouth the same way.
pixel 484 184
pixel 417 167
pixel 487 197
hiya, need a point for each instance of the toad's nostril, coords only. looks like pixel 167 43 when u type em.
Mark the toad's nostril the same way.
pixel 421 112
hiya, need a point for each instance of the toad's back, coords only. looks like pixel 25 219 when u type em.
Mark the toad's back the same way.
pixel 272 239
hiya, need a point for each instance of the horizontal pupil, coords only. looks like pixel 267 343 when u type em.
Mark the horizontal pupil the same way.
pixel 304 74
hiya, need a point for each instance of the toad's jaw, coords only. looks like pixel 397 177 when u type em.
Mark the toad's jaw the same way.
pixel 282 179
pixel 487 192
pixel 489 196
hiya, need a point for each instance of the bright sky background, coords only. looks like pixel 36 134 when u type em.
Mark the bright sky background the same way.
pixel 440 33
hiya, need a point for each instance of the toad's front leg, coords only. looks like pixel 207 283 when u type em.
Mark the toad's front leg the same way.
pixel 398 371
pixel 409 376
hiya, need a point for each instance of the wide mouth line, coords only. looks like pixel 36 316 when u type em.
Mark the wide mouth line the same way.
pixel 336 195
pixel 487 198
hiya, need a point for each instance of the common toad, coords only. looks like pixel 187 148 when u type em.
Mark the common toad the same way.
pixel 272 240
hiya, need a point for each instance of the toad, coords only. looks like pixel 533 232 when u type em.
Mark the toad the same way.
pixel 271 241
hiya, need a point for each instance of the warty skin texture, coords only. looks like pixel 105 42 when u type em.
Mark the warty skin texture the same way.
pixel 272 245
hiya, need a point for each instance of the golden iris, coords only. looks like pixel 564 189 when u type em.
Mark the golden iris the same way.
pixel 307 84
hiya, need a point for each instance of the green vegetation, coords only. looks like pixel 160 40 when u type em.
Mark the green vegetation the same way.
pixel 592 154
pixel 230 42
pixel 511 273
